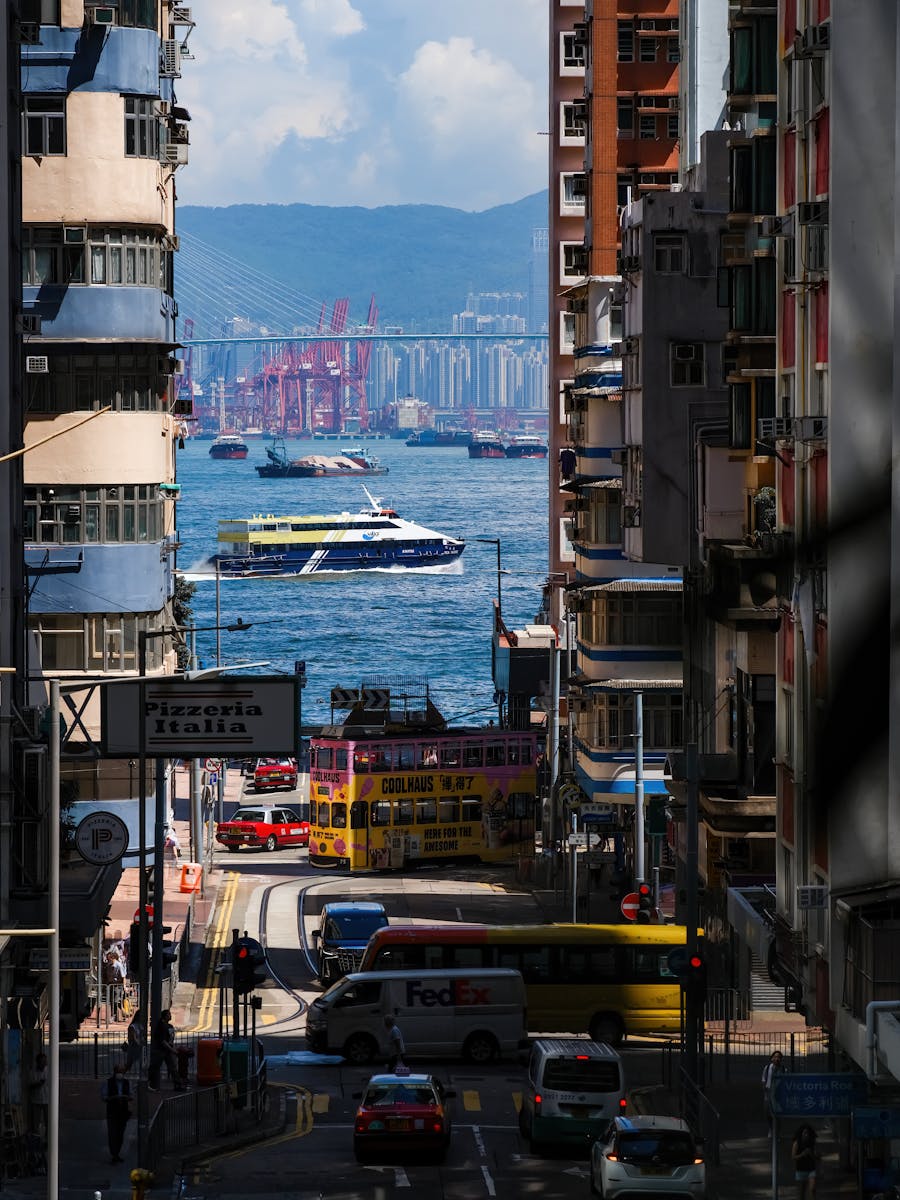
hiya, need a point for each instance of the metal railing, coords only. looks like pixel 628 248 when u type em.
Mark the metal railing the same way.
pixel 94 1053
pixel 700 1114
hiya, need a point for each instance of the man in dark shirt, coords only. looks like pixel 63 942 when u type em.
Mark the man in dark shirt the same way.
pixel 116 1093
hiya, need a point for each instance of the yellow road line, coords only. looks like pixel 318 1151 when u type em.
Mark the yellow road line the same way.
pixel 210 988
pixel 302 1126
pixel 517 1101
pixel 471 1101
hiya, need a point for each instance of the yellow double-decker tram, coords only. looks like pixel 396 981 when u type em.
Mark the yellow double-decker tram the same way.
pixel 393 787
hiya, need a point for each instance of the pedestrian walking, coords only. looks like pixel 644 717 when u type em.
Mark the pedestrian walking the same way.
pixel 803 1152
pixel 162 1050
pixel 39 1097
pixel 116 1094
pixel 134 1043
pixel 396 1045
pixel 773 1068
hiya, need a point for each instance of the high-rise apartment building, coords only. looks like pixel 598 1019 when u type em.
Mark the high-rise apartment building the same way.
pixel 102 139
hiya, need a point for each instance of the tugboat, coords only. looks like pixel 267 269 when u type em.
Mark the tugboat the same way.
pixel 526 445
pixel 485 444
pixel 229 445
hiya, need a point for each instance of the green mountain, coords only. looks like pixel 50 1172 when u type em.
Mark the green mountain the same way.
pixel 419 260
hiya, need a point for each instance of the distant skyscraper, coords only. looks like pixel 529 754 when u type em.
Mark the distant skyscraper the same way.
pixel 537 280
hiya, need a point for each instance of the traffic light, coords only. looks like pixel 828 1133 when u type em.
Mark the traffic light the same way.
pixel 137 953
pixel 248 955
pixel 645 904
pixel 695 979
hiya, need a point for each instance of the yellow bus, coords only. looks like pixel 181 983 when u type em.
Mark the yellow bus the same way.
pixel 389 801
pixel 608 981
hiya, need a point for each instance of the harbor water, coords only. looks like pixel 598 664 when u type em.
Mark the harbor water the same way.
pixel 433 624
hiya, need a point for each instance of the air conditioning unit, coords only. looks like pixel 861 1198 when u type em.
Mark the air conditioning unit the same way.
pixel 631 262
pixel 74 235
pixel 100 14
pixel 630 346
pixel 170 59
pixel 171 241
pixel 647 26
pixel 812 895
pixel 34 777
pixel 816 40
pixel 28 323
pixel 813 213
pixel 179 366
pixel 816 248
pixel 772 429
pixel 686 352
pixel 162 108
pixel 811 429
pixel 770 227
pixel 37 364
pixel 619 456
pixel 174 154
pixel 615 350
pixel 580 34
pixel 181 15
pixel 675 102
pixel 29 33
pixel 631 516
pixel 165 366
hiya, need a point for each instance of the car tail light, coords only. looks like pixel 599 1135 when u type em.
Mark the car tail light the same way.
pixel 537 1100
pixel 698 1162
pixel 623 1104
pixel 437 1127
pixel 612 1158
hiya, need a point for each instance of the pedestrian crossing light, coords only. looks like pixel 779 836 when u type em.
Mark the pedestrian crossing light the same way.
pixel 248 955
pixel 695 979
pixel 645 904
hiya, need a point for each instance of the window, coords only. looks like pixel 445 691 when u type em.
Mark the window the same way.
pixel 625 42
pixel 647 128
pixel 574 190
pixel 141 128
pixel 647 48
pixel 39 12
pixel 381 812
pixel 472 754
pixel 574 255
pixel 450 754
pixel 687 364
pixel 75 515
pixel 471 810
pixel 44 131
pixel 140 14
pixel 100 255
pixel 668 254
pixel 619 619
pixel 672 130
pixel 613 721
pixel 673 52
pixel 97 642
pixel 448 810
pixel 624 118
pixel 604 517
pixel 495 755
pixel 567 333
pixel 339 815
pixel 403 812
pixel 573 123
pixel 426 812
pixel 573 56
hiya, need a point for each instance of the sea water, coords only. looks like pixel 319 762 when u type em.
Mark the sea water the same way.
pixel 433 624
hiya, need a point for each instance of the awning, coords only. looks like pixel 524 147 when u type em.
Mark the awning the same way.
pixel 614 482
pixel 180 114
pixel 634 585
pixel 632 685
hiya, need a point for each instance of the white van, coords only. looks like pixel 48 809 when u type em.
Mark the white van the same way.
pixel 574 1089
pixel 478 1014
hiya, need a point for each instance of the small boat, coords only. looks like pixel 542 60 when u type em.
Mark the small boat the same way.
pixel 526 445
pixel 439 437
pixel 229 445
pixel 486 444
pixel 353 461
pixel 375 537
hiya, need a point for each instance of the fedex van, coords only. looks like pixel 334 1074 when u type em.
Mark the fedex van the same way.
pixel 478 1015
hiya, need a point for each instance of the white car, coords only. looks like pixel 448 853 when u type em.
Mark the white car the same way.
pixel 647 1156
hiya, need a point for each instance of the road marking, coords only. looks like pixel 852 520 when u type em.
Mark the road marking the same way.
pixel 210 990
pixel 401 1179
pixel 488 1182
pixel 458 913
pixel 471 1101
pixel 517 1101
pixel 479 1140
pixel 321 1102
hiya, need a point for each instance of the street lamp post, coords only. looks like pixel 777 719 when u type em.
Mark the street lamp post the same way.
pixel 495 542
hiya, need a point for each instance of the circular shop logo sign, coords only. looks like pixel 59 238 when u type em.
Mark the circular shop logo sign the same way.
pixel 101 838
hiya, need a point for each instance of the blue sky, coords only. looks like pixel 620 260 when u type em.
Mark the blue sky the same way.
pixel 366 102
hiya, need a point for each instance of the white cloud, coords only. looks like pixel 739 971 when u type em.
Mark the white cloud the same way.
pixel 337 17
pixel 271 33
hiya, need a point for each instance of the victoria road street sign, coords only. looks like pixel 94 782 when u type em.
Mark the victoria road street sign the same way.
pixel 832 1095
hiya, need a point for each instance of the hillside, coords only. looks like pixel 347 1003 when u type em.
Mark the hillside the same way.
pixel 419 260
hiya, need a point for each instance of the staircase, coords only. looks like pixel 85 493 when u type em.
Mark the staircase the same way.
pixel 765 996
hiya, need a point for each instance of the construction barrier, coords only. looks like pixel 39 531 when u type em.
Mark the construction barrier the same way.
pixel 191 875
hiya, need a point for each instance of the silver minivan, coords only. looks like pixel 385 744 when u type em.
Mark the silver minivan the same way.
pixel 575 1087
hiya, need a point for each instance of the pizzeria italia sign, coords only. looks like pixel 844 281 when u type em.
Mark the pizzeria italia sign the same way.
pixel 172 717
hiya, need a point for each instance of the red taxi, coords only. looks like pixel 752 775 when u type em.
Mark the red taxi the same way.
pixel 272 773
pixel 402 1112
pixel 262 826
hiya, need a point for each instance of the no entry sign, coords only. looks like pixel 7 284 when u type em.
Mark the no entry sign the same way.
pixel 630 905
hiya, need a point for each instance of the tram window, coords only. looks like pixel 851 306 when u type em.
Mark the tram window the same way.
pixel 472 754
pixel 359 811
pixel 520 805
pixel 428 756
pixel 448 808
pixel 381 812
pixel 471 809
pixel 381 759
pixel 324 815
pixel 325 758
pixel 496 754
pixel 340 758
pixel 512 754
pixel 450 755
pixel 361 760
pixel 527 752
pixel 406 758
pixel 339 815
pixel 426 812
pixel 404 813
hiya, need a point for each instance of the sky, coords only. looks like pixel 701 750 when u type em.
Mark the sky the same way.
pixel 366 102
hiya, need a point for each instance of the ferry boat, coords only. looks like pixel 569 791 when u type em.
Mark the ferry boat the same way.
pixel 375 537
pixel 485 444
pixel 229 445
pixel 352 461
pixel 526 445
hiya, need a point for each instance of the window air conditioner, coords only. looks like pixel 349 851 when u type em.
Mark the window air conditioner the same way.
pixel 647 26
pixel 170 58
pixel 174 154
pixel 674 102
pixel 630 345
pixel 813 213
pixel 74 235
pixel 616 350
pixel 812 895
pixel 686 352
pixel 37 364
pixel 179 366
pixel 815 41
pixel 631 262
pixel 771 429
pixel 100 15
pixel 811 429
pixel 631 516
pixel 181 15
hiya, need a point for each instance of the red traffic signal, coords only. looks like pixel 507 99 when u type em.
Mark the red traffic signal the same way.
pixel 248 955
pixel 695 978
pixel 645 903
